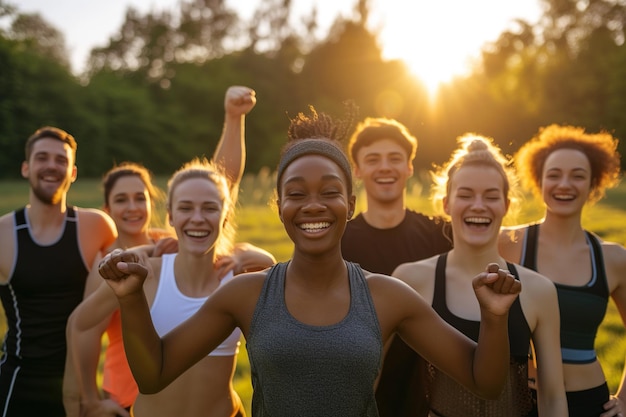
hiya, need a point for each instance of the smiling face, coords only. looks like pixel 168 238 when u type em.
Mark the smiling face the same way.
pixel 384 168
pixel 566 182
pixel 196 213
pixel 476 204
pixel 314 204
pixel 50 170
pixel 129 205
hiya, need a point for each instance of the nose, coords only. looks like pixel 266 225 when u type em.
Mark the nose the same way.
pixel 196 216
pixel 385 164
pixel 478 203
pixel 314 204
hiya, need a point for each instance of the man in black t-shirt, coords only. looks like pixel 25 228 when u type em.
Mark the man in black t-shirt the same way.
pixel 387 234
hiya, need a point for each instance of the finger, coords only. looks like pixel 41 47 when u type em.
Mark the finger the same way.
pixel 134 269
pixel 493 267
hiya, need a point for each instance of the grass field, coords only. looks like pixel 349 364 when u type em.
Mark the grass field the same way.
pixel 258 223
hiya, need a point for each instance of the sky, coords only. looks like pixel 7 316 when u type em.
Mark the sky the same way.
pixel 449 33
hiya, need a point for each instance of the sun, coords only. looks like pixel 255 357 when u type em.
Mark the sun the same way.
pixel 439 40
pixel 432 52
pixel 433 66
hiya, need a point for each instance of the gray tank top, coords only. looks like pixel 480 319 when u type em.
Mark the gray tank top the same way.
pixel 303 370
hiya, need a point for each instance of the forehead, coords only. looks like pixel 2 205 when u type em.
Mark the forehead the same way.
pixel 309 166
pixel 196 189
pixel 51 146
pixel 567 159
pixel 129 183
pixel 478 177
pixel 381 146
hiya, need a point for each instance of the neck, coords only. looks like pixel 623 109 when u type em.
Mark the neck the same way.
pixel 561 229
pixel 128 241
pixel 196 272
pixel 42 215
pixel 317 271
pixel 475 260
pixel 385 215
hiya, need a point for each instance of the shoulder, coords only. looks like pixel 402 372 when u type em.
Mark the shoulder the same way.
pixel 510 242
pixel 6 221
pixel 93 216
pixel 534 283
pixel 380 284
pixel 415 271
pixel 614 256
pixel 96 222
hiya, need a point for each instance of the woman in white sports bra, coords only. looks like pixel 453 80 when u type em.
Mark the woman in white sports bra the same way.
pixel 200 209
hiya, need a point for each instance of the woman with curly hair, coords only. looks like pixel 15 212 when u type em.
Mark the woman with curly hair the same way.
pixel 568 168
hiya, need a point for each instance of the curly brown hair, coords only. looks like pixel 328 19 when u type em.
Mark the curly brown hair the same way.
pixel 600 149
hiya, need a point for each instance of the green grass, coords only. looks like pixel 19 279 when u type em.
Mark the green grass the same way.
pixel 258 223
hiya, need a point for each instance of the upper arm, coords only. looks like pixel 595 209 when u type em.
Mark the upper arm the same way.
pixel 541 299
pixel 96 233
pixel 95 308
pixel 615 262
pixel 250 258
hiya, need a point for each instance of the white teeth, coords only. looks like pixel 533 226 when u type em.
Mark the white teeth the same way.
pixel 314 226
pixel 478 220
pixel 196 233
pixel 564 197
pixel 385 180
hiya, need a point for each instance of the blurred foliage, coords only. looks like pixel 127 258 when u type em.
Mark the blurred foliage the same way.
pixel 154 92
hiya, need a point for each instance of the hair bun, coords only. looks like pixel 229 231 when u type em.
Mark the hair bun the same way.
pixel 477 145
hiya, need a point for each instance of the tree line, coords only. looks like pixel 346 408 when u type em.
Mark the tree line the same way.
pixel 154 92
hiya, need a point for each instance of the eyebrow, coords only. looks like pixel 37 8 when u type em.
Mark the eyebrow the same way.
pixel 325 177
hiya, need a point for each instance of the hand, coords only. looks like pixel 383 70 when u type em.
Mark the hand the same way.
pixel 124 271
pixel 614 407
pixel 225 264
pixel 165 245
pixel 496 289
pixel 239 100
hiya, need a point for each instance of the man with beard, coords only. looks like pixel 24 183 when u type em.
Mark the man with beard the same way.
pixel 46 249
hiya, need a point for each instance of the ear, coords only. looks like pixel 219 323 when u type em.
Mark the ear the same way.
pixel 351 206
pixel 356 172
pixel 169 217
pixel 507 204
pixel 74 173
pixel 446 209
pixel 411 168
pixel 25 170
pixel 280 212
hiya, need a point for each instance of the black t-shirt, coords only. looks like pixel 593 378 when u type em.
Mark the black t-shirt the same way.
pixel 417 237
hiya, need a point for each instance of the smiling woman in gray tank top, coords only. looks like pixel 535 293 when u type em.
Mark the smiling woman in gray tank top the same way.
pixel 315 326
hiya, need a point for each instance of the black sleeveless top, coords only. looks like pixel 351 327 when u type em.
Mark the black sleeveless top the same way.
pixel 46 284
pixel 447 397
pixel 582 308
pixel 519 331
